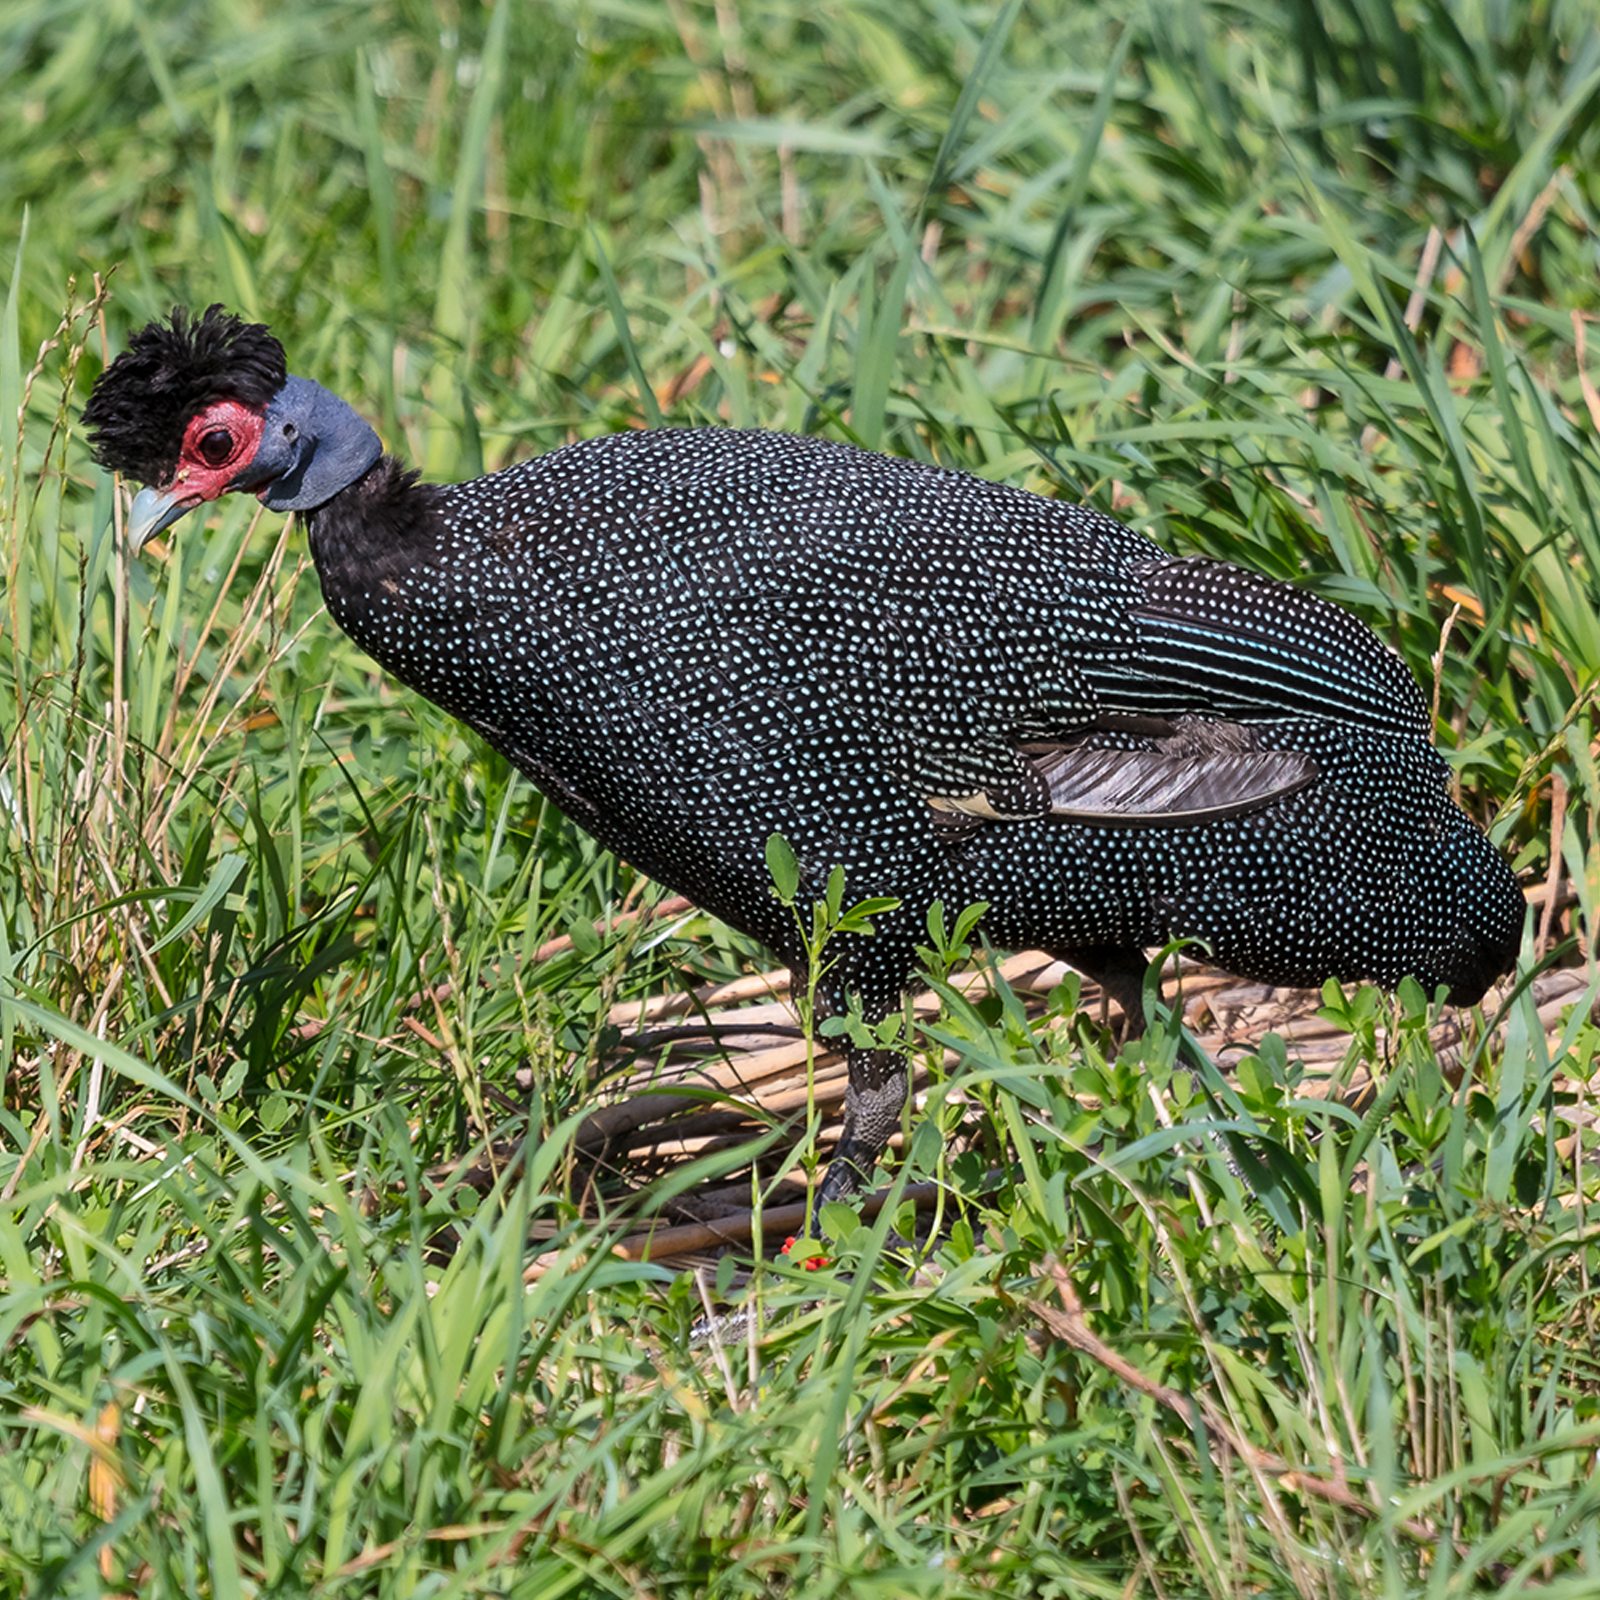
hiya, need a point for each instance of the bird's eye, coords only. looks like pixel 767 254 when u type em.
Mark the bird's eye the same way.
pixel 216 447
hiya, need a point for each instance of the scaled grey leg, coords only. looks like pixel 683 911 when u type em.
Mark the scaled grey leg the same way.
pixel 873 1101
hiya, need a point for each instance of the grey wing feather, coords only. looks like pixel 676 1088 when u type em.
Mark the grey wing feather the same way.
pixel 1163 788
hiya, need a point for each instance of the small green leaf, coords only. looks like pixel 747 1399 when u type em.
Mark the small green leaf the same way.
pixel 840 1222
pixel 968 921
pixel 835 894
pixel 784 869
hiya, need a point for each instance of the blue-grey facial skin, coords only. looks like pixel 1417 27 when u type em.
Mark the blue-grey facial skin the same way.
pixel 312 445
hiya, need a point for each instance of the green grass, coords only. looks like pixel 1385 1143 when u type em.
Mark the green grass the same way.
pixel 1301 285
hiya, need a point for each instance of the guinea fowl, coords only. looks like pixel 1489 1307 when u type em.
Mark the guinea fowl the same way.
pixel 959 692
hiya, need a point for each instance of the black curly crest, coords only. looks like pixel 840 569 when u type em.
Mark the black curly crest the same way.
pixel 171 370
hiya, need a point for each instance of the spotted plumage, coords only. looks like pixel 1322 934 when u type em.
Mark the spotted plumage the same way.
pixel 956 690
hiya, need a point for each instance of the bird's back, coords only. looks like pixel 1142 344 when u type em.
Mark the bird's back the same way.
pixel 770 591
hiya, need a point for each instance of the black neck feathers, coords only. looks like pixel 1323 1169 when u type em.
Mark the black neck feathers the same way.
pixel 372 541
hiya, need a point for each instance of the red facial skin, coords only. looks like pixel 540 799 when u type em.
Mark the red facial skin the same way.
pixel 199 475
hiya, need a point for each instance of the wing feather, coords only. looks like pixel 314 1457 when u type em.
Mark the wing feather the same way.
pixel 1163 788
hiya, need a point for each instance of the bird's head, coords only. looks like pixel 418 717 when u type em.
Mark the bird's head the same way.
pixel 197 407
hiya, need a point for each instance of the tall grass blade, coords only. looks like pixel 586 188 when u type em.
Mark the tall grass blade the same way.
pixel 624 334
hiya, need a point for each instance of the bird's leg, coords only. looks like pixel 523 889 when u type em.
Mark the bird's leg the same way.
pixel 879 1079
pixel 872 1105
pixel 1120 970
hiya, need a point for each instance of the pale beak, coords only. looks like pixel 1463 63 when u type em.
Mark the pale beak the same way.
pixel 155 509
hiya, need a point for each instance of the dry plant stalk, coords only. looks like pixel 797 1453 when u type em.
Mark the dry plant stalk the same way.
pixel 1071 1326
